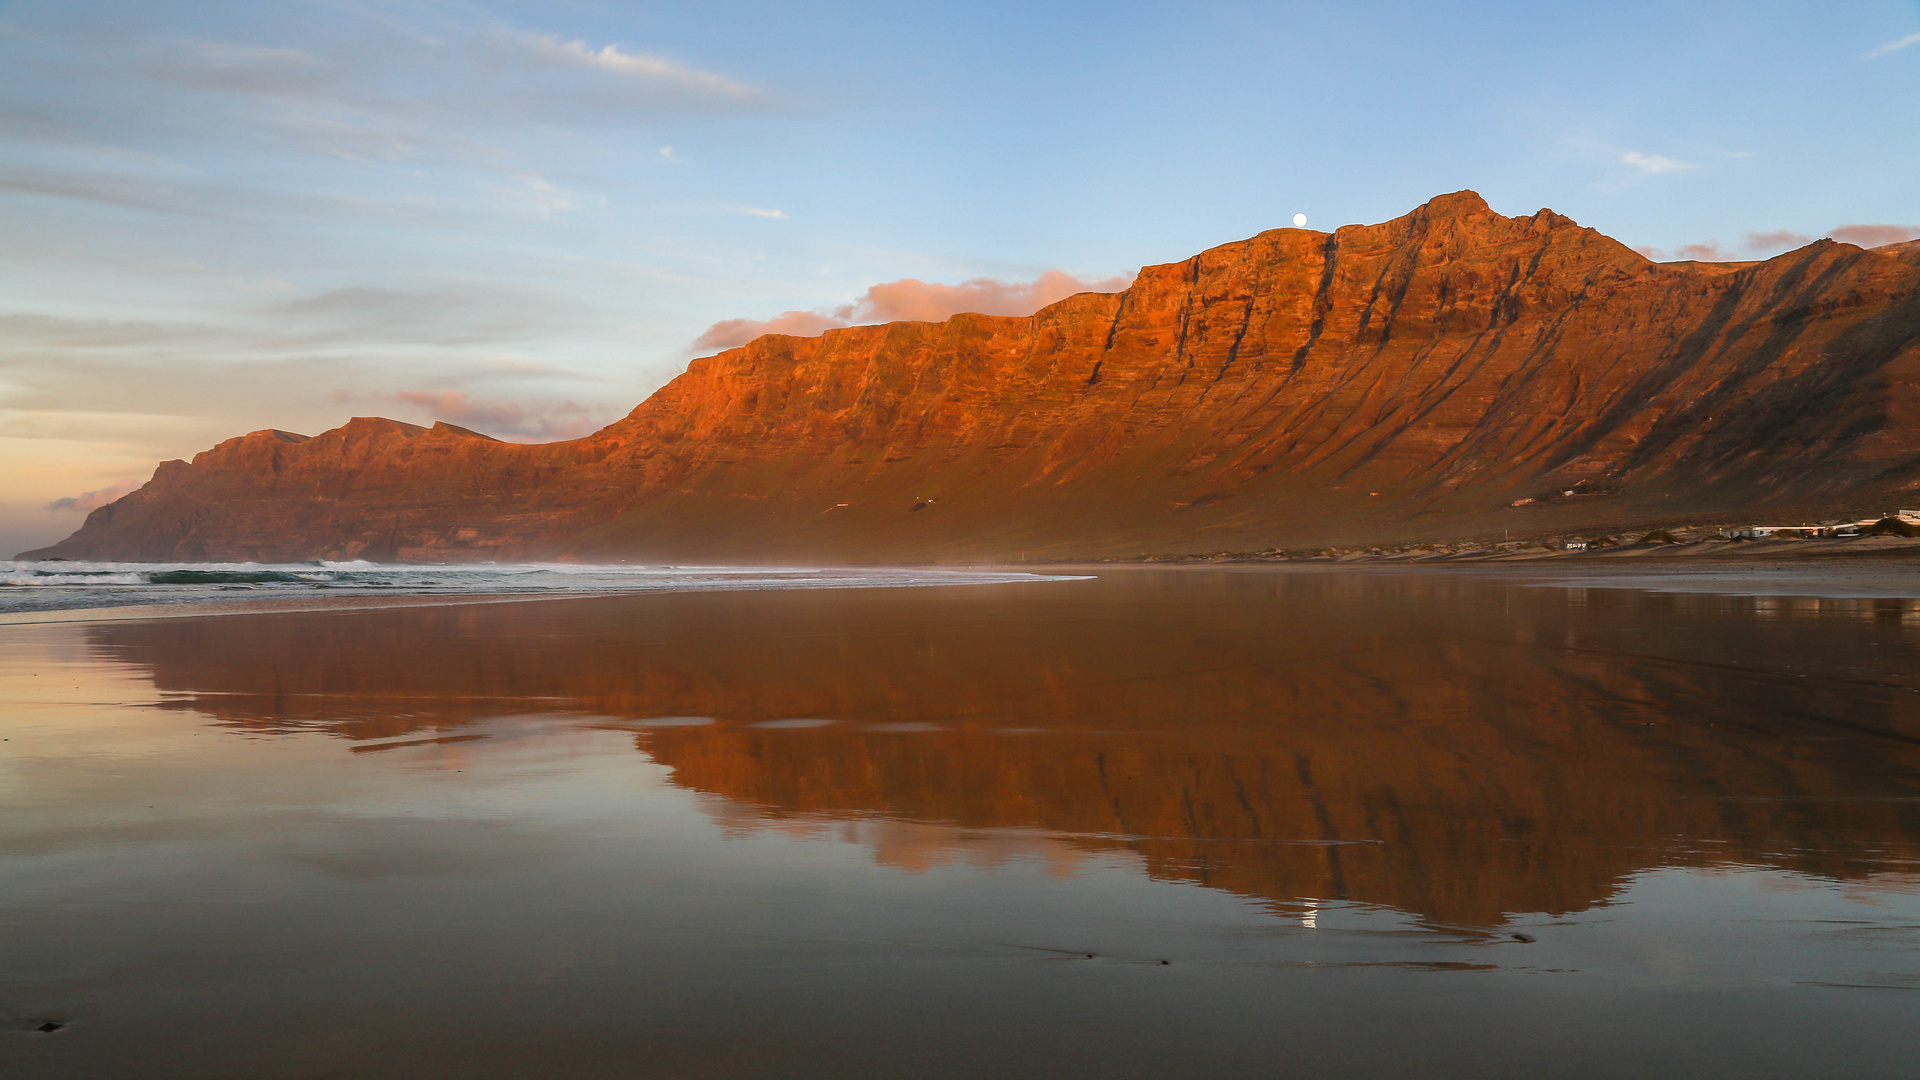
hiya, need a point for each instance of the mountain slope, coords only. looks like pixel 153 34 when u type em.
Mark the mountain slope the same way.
pixel 1398 381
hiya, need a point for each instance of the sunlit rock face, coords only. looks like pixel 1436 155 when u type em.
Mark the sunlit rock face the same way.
pixel 1402 381
pixel 1454 749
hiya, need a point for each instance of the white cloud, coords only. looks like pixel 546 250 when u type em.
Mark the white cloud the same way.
pixel 1653 164
pixel 759 211
pixel 645 66
pixel 1892 46
pixel 539 196
pixel 667 154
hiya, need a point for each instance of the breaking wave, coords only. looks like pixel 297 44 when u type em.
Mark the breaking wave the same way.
pixel 61 585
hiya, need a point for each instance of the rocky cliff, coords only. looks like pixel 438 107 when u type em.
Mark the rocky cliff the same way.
pixel 1402 381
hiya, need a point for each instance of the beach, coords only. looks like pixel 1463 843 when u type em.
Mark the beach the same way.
pixel 1466 820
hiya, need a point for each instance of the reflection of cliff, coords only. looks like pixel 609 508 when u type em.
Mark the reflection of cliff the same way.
pixel 1452 748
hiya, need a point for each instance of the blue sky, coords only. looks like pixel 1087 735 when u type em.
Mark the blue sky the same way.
pixel 217 217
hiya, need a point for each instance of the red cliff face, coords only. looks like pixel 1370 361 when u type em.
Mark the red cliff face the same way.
pixel 1399 381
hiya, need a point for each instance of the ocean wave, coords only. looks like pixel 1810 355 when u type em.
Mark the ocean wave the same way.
pixel 43 578
pixel 58 585
pixel 226 577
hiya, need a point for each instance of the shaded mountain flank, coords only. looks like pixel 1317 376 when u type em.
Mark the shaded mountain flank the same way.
pixel 1398 382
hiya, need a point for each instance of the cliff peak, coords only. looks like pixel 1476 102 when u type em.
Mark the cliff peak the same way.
pixel 1455 204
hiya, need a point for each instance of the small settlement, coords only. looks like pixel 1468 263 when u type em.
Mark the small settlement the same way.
pixel 1680 539
pixel 1841 529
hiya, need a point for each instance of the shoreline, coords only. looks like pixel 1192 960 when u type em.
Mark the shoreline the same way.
pixel 268 605
pixel 1862 575
pixel 185 608
pixel 1837 578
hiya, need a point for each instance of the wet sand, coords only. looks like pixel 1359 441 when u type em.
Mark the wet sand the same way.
pixel 1839 578
pixel 1467 821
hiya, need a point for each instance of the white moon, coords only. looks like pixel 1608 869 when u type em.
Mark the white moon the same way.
pixel 1299 221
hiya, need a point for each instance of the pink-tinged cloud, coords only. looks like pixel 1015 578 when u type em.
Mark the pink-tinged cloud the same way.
pixel 923 301
pixel 1773 241
pixel 1707 252
pixel 1873 236
pixel 911 299
pixel 533 421
pixel 89 501
pixel 1648 251
pixel 728 333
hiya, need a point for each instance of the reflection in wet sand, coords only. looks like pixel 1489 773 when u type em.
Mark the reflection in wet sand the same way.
pixel 1457 749
pixel 1186 823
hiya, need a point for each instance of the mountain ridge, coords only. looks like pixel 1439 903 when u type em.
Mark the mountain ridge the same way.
pixel 1401 381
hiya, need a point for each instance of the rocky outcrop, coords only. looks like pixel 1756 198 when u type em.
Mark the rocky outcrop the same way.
pixel 1403 381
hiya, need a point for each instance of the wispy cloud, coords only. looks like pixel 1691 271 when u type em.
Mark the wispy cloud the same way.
pixel 373 90
pixel 532 421
pixel 646 67
pixel 758 211
pixel 449 315
pixel 1621 168
pixel 35 330
pixel 910 299
pixel 88 501
pixel 1893 46
pixel 1653 164
pixel 534 194
pixel 192 198
pixel 360 317
pixel 86 422
pixel 236 67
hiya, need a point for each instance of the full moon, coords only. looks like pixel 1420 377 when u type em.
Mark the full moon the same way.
pixel 1299 221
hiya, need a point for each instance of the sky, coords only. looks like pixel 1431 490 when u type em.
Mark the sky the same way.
pixel 217 217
